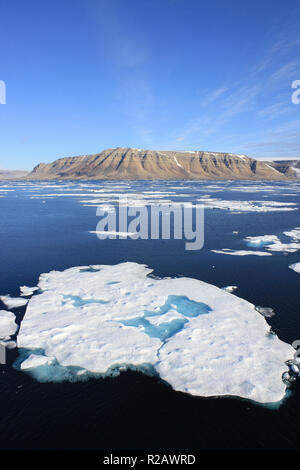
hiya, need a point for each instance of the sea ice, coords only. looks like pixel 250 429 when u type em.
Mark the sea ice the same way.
pixel 26 291
pixel 273 243
pixel 8 326
pixel 227 251
pixel 284 247
pixel 262 240
pixel 229 288
pixel 13 302
pixel 295 267
pixel 200 339
pixel 247 206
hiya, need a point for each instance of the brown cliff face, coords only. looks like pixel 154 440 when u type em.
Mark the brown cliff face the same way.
pixel 135 164
pixel 290 168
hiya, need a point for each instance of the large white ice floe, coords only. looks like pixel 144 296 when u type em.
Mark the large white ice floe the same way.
pixel 273 243
pixel 199 338
pixel 247 206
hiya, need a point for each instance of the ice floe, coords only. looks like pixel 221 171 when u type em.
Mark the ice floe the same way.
pixel 26 291
pixel 199 338
pixel 13 302
pixel 230 288
pixel 295 267
pixel 284 247
pixel 227 251
pixel 294 234
pixel 262 240
pixel 265 311
pixel 273 243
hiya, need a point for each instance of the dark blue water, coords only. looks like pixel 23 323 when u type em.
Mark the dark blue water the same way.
pixel 134 411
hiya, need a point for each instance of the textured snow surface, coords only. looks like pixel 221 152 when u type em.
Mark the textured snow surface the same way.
pixel 199 338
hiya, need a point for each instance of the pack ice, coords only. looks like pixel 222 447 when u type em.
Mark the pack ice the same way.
pixel 199 338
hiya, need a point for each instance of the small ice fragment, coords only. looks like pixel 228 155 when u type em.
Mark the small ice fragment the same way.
pixel 13 302
pixel 26 291
pixel 265 311
pixel 295 267
pixel 230 288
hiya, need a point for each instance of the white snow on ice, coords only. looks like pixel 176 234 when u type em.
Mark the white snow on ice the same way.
pixel 247 206
pixel 273 243
pixel 230 288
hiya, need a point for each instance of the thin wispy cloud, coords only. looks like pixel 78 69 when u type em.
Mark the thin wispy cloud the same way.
pixel 213 96
pixel 286 71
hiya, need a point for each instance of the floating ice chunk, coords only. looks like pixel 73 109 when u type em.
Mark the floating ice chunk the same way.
pixel 262 240
pixel 273 243
pixel 200 339
pixel 265 311
pixel 26 291
pixel 284 247
pixel 8 326
pixel 295 267
pixel 113 233
pixel 13 302
pixel 230 288
pixel 227 251
pixel 294 234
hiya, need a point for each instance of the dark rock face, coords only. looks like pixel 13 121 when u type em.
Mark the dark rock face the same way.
pixel 130 163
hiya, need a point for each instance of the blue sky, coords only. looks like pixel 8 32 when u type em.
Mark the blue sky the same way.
pixel 85 75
